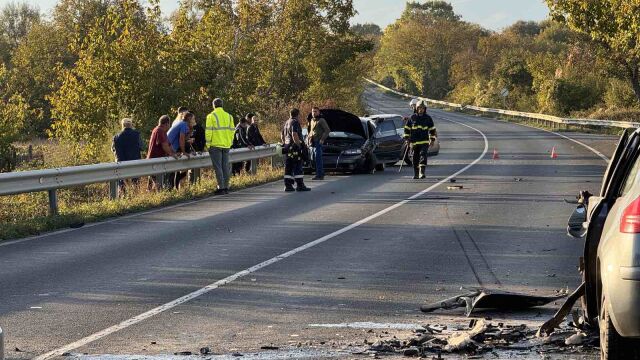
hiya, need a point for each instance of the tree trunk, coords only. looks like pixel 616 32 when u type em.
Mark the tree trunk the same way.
pixel 634 76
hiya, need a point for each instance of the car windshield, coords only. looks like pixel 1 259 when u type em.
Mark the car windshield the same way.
pixel 344 135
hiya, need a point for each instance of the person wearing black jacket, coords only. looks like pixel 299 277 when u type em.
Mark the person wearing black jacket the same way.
pixel 127 146
pixel 253 133
pixel 199 140
pixel 418 132
pixel 240 140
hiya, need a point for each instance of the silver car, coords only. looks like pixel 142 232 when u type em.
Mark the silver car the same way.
pixel 610 225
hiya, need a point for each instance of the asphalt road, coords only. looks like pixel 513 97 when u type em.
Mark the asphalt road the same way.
pixel 504 229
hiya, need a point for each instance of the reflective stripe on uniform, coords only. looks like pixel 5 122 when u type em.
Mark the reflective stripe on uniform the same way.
pixel 420 142
pixel 288 177
pixel 299 177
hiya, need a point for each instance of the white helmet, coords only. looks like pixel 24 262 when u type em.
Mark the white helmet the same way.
pixel 421 103
pixel 413 103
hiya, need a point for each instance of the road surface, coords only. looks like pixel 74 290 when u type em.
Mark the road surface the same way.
pixel 262 267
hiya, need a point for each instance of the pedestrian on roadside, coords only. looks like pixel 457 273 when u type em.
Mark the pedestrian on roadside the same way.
pixel 127 146
pixel 240 141
pixel 318 132
pixel 253 133
pixel 190 119
pixel 197 134
pixel 159 147
pixel 219 133
pixel 291 137
pixel 418 132
pixel 178 137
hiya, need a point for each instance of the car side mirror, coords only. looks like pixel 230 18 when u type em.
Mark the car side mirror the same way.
pixel 575 227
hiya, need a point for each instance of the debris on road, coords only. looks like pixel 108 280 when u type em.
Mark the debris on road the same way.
pixel 455 187
pixel 269 347
pixel 491 299
pixel 479 338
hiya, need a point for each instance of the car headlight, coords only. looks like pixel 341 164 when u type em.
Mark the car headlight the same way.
pixel 352 152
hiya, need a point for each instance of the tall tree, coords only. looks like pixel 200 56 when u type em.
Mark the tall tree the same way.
pixel 614 24
pixel 16 19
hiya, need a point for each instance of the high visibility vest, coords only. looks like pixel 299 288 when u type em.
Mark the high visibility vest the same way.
pixel 220 129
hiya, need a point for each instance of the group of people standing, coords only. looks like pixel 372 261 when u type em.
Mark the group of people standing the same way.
pixel 185 136
pixel 296 148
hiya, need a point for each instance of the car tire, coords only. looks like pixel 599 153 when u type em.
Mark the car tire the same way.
pixel 380 167
pixel 612 345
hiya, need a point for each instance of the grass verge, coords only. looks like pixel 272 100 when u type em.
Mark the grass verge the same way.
pixel 26 214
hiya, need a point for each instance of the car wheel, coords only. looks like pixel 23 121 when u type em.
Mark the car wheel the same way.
pixel 380 167
pixel 612 345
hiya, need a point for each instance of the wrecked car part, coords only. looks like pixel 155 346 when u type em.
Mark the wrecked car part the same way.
pixel 491 299
pixel 547 328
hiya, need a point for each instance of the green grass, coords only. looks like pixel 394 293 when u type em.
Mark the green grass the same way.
pixel 26 214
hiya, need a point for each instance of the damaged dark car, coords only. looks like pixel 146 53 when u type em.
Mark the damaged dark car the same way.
pixel 360 145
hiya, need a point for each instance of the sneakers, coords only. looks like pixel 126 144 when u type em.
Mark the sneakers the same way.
pixel 220 192
pixel 422 176
pixel 289 188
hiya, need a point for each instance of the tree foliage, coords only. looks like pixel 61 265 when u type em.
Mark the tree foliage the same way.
pixel 95 61
pixel 546 66
pixel 613 24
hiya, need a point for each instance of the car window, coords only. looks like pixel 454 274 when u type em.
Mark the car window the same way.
pixel 623 167
pixel 399 123
pixel 386 128
pixel 631 177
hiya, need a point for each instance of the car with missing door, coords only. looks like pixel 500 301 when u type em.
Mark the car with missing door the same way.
pixel 609 223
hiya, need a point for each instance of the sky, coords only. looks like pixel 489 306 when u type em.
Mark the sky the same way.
pixel 491 14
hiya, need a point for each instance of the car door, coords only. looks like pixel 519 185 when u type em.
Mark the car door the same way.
pixel 389 143
pixel 597 210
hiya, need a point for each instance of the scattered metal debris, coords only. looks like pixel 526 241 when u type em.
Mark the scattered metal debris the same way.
pixel 491 299
pixel 480 338
pixel 550 325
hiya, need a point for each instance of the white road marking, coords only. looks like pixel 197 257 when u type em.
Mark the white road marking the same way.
pixel 172 304
pixel 370 325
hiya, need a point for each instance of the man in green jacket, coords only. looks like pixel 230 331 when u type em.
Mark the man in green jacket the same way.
pixel 219 133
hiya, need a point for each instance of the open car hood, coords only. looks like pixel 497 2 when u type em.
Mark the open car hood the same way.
pixel 339 120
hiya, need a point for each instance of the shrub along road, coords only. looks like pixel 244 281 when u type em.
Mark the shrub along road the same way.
pixel 258 267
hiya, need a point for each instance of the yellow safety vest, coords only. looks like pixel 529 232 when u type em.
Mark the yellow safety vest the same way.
pixel 220 129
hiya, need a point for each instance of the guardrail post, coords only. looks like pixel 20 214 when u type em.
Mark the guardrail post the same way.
pixel 113 190
pixel 1 345
pixel 53 202
pixel 254 167
pixel 195 176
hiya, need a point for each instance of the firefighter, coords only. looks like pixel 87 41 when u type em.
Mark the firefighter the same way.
pixel 293 148
pixel 418 132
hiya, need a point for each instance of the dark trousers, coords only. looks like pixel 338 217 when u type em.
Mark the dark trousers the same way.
pixel 237 168
pixel 293 171
pixel 420 158
pixel 317 157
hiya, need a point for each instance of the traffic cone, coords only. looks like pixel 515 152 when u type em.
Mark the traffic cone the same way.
pixel 496 156
pixel 554 154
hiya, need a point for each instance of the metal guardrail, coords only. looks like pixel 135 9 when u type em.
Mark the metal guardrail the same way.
pixel 53 179
pixel 518 114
